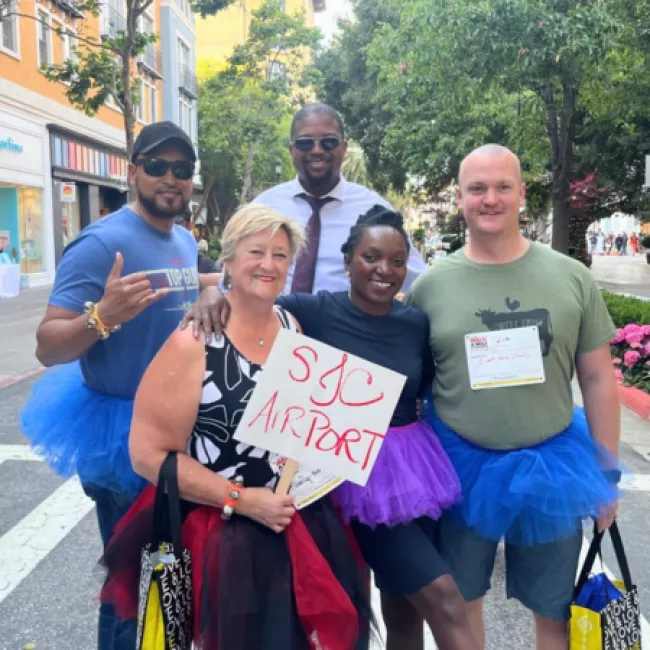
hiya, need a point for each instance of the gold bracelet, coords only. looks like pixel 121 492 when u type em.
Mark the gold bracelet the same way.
pixel 94 322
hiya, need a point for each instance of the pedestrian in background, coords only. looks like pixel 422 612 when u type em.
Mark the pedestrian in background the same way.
pixel 592 238
pixel 618 244
pixel 634 243
pixel 205 263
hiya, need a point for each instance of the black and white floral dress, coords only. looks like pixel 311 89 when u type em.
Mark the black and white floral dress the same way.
pixel 228 384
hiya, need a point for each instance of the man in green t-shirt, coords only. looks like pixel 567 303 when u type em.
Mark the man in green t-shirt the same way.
pixel 510 320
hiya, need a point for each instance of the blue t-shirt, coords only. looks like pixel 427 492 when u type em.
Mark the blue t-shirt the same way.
pixel 398 341
pixel 115 366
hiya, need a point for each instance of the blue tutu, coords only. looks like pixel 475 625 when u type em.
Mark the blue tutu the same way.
pixel 529 496
pixel 80 431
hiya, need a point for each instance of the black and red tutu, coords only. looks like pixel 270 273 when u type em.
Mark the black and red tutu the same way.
pixel 253 589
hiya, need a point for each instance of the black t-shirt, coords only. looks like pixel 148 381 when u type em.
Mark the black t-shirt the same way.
pixel 398 341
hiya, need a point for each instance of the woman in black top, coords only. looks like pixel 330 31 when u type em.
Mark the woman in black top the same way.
pixel 412 481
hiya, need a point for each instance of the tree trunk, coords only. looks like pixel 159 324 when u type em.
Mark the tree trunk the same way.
pixel 561 131
pixel 128 107
pixel 207 189
pixel 248 172
pixel 561 222
pixel 578 237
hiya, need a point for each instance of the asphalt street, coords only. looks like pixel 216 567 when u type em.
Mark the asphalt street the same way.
pixel 49 547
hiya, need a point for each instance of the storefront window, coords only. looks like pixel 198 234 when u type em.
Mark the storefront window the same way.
pixel 30 229
pixel 68 194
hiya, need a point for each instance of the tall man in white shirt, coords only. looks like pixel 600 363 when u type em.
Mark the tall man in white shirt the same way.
pixel 320 199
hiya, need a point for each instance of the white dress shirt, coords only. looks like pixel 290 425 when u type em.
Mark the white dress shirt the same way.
pixel 337 217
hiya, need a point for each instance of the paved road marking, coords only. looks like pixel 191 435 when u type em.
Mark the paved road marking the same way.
pixel 33 538
pixel 636 482
pixel 10 381
pixel 17 452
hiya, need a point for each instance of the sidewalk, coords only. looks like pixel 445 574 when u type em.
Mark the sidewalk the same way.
pixel 628 275
pixel 19 319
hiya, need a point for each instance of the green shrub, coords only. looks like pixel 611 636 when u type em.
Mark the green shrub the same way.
pixel 214 248
pixel 645 241
pixel 625 310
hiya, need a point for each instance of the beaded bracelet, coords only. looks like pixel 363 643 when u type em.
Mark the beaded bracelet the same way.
pixel 234 492
pixel 94 322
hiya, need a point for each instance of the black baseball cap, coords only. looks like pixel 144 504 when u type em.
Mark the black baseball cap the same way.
pixel 158 133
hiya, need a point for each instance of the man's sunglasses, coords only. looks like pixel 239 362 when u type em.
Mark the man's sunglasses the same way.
pixel 182 170
pixel 328 143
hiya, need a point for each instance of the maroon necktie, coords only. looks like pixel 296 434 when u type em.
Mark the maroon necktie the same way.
pixel 303 274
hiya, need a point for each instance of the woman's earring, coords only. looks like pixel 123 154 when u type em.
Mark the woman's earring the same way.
pixel 227 280
pixel 347 273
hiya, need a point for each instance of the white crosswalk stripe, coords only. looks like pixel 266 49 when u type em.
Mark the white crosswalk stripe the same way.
pixel 34 537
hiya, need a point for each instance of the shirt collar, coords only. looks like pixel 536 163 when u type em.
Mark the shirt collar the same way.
pixel 338 192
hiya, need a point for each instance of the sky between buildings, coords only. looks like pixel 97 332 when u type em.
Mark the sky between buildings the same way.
pixel 334 9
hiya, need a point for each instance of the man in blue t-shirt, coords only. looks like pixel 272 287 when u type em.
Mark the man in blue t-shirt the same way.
pixel 121 288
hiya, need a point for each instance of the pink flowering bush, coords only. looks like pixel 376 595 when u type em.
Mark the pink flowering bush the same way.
pixel 630 349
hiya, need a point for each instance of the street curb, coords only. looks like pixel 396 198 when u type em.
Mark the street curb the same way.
pixel 5 383
pixel 636 400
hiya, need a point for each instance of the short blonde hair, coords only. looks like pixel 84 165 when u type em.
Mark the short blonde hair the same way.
pixel 254 218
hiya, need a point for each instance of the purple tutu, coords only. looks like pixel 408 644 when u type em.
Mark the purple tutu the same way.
pixel 412 478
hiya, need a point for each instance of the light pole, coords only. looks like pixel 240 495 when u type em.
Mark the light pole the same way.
pixel 278 169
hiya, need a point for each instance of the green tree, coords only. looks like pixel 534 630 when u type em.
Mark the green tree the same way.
pixel 242 108
pixel 499 61
pixel 275 58
pixel 354 166
pixel 350 85
pixel 106 68
pixel 234 116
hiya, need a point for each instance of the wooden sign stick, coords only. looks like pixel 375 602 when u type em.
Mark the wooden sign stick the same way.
pixel 288 472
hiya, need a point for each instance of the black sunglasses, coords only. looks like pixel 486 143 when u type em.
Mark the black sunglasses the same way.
pixel 328 143
pixel 182 170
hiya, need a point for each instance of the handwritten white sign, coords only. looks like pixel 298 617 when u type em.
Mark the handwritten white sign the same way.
pixel 322 407
pixel 510 357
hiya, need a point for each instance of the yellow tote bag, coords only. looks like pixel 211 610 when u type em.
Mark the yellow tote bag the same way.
pixel 165 619
pixel 153 626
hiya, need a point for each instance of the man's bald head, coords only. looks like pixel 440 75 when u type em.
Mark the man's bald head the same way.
pixel 490 191
pixel 488 151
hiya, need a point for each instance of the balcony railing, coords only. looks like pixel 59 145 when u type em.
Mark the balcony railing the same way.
pixel 70 7
pixel 151 61
pixel 111 21
pixel 188 83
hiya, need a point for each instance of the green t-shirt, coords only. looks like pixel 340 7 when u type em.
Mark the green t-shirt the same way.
pixel 542 288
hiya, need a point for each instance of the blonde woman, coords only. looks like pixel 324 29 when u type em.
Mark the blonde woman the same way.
pixel 254 591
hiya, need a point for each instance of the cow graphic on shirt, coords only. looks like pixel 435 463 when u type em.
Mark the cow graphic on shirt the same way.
pixel 511 319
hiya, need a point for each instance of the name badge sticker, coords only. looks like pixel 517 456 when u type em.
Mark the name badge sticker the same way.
pixel 504 358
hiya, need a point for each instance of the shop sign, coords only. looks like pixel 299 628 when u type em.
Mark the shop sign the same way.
pixel 120 179
pixel 11 146
pixel 68 192
pixel 78 157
